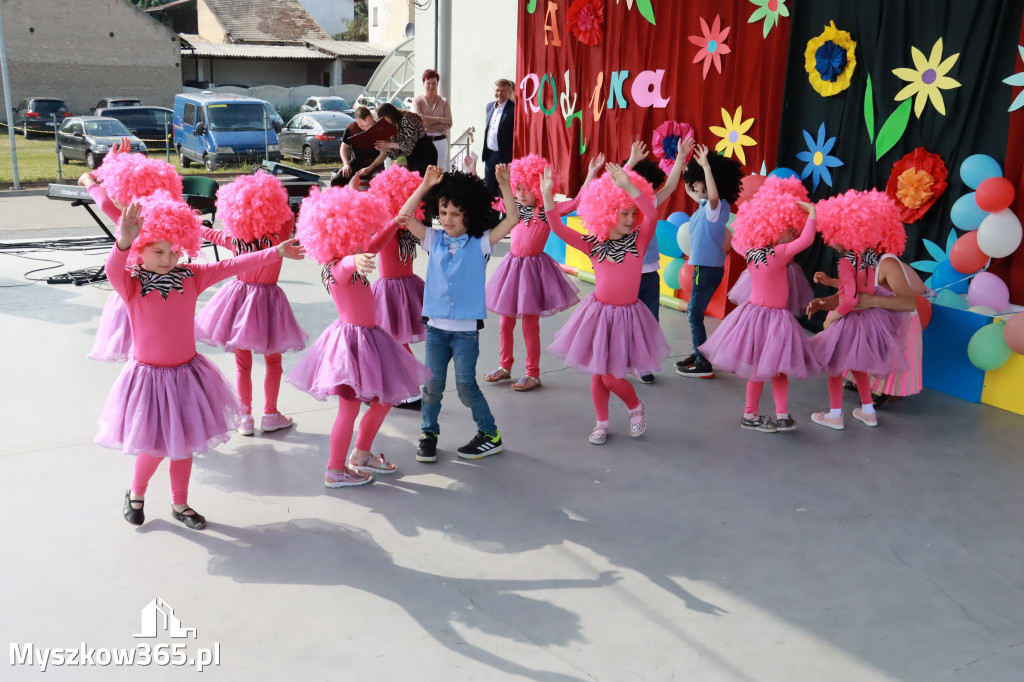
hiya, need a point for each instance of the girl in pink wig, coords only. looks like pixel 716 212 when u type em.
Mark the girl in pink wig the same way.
pixel 611 333
pixel 353 359
pixel 528 283
pixel 169 401
pixel 760 340
pixel 251 314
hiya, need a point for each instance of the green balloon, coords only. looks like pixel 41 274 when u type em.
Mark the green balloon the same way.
pixel 987 349
pixel 950 300
pixel 671 273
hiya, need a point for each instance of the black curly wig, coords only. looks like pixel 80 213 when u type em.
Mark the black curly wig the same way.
pixel 649 171
pixel 727 171
pixel 469 194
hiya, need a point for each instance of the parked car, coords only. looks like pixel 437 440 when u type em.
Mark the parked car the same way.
pixel 35 114
pixel 314 136
pixel 328 104
pixel 89 138
pixel 275 118
pixel 153 124
pixel 214 129
pixel 110 102
pixel 368 101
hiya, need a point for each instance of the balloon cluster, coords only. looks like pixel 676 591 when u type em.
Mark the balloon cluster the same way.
pixel 993 230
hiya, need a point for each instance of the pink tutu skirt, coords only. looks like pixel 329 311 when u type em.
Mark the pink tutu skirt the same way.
pixel 247 316
pixel 759 343
pixel 611 339
pixel 800 292
pixel 113 341
pixel 168 411
pixel 869 341
pixel 398 307
pixel 358 363
pixel 530 285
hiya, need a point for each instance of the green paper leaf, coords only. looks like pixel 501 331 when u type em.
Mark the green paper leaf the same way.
pixel 646 10
pixel 531 6
pixel 893 129
pixel 924 265
pixel 869 111
pixel 934 250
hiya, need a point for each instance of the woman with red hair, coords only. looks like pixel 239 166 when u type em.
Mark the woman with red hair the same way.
pixel 436 114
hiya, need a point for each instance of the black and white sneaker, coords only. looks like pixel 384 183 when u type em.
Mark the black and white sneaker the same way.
pixel 686 362
pixel 427 450
pixel 416 405
pixel 701 369
pixel 481 446
pixel 759 423
pixel 785 424
pixel 647 379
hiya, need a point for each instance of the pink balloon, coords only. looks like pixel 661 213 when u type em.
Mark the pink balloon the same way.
pixel 1013 333
pixel 988 290
pixel 994 195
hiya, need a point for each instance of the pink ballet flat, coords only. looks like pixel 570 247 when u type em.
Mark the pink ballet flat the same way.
pixel 868 419
pixel 824 419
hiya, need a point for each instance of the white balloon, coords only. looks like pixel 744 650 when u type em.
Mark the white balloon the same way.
pixel 683 237
pixel 1000 234
pixel 982 310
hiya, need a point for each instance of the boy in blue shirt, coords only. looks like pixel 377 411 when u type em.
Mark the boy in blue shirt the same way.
pixel 453 297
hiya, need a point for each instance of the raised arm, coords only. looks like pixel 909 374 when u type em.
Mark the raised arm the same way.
pixel 99 195
pixel 208 275
pixel 788 251
pixel 701 154
pixel 643 204
pixel 672 181
pixel 564 232
pixel 504 177
pixel 381 237
pixel 407 216
pixel 117 259
pixel 218 237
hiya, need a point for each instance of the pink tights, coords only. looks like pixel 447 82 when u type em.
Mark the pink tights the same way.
pixel 835 390
pixel 531 335
pixel 145 467
pixel 341 433
pixel 271 382
pixel 601 388
pixel 780 392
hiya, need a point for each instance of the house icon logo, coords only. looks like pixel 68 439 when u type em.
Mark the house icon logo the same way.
pixel 158 615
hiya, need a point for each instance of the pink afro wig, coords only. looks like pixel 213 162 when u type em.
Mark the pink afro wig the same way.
pixel 253 206
pixel 849 221
pixel 127 177
pixel 526 172
pixel 167 218
pixel 772 210
pixel 601 201
pixel 887 216
pixel 338 222
pixel 394 186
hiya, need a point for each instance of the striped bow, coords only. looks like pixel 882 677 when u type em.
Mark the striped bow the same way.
pixel 152 281
pixel 616 249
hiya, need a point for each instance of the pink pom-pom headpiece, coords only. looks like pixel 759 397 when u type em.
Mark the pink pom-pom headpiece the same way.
pixel 394 186
pixel 601 201
pixel 127 177
pixel 338 222
pixel 526 171
pixel 888 219
pixel 167 218
pixel 848 221
pixel 253 206
pixel 765 217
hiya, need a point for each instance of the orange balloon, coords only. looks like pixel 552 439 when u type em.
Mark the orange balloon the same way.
pixel 924 310
pixel 966 256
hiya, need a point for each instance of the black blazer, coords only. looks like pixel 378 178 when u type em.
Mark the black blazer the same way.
pixel 505 129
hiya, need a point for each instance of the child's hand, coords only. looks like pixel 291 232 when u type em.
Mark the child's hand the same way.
pixel 637 153
pixel 86 179
pixel 807 208
pixel 290 248
pixel 502 174
pixel 830 319
pixel 356 180
pixel 700 152
pixel 432 176
pixel 596 164
pixel 815 305
pixel 685 147
pixel 130 225
pixel 547 183
pixel 618 176
pixel 365 263
pixel 821 278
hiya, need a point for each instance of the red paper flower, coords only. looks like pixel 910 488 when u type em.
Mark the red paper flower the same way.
pixel 665 142
pixel 584 19
pixel 916 181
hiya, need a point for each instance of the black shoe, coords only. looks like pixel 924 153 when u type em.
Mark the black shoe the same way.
pixel 411 405
pixel 686 362
pixel 195 520
pixel 785 424
pixel 701 369
pixel 880 399
pixel 849 385
pixel 427 450
pixel 131 514
pixel 647 379
pixel 481 446
pixel 758 423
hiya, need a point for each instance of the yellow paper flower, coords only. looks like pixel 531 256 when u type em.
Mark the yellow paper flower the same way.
pixel 830 60
pixel 927 79
pixel 733 137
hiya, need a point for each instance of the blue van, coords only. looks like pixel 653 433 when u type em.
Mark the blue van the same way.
pixel 216 129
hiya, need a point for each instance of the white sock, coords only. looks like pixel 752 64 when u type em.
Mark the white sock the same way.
pixel 601 424
pixel 835 413
pixel 747 415
pixel 784 415
pixel 867 408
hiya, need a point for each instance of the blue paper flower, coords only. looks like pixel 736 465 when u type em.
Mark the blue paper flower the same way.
pixel 818 158
pixel 829 61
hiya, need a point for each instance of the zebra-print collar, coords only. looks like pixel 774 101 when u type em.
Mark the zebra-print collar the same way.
pixel 241 247
pixel 327 277
pixel 862 261
pixel 152 281
pixel 760 256
pixel 527 213
pixel 616 249
pixel 407 243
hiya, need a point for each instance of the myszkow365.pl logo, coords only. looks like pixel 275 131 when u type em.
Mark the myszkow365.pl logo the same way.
pixel 157 617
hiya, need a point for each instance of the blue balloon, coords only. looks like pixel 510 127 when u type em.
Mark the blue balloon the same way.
pixel 965 213
pixel 950 300
pixel 668 245
pixel 978 168
pixel 783 173
pixel 671 273
pixel 678 218
pixel 944 276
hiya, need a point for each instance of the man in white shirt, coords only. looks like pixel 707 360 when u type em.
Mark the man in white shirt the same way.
pixel 498 132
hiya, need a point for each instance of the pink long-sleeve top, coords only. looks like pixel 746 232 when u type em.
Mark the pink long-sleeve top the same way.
pixel 164 329
pixel 530 236
pixel 853 279
pixel 385 244
pixel 267 274
pixel 351 293
pixel 103 200
pixel 768 279
pixel 616 283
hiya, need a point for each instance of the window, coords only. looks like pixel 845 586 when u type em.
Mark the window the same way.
pixel 76 128
pixel 190 113
pixel 325 79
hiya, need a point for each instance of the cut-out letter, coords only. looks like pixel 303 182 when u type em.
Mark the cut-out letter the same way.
pixel 563 99
pixel 551 25
pixel 646 89
pixel 597 101
pixel 554 95
pixel 528 96
pixel 615 89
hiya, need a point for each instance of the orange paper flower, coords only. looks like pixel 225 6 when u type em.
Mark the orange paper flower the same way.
pixel 916 181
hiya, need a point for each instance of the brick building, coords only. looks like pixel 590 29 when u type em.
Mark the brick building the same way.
pixel 83 50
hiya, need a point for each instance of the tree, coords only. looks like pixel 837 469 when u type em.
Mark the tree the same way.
pixel 359 28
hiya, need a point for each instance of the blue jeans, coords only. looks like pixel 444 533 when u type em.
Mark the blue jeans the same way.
pixel 706 279
pixel 650 292
pixel 463 347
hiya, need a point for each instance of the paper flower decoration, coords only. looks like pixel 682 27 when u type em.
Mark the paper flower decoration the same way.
pixel 916 181
pixel 733 135
pixel 818 158
pixel 829 60
pixel 927 79
pixel 1016 80
pixel 770 11
pixel 584 19
pixel 665 142
pixel 712 44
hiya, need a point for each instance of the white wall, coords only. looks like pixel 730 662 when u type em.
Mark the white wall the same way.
pixel 333 15
pixel 392 18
